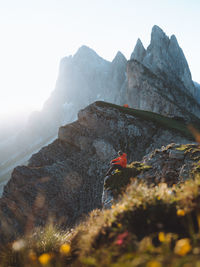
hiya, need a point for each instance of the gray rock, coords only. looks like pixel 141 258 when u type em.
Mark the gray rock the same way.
pixel 170 165
pixel 139 51
pixel 149 91
pixel 104 150
pixel 165 58
pixel 175 154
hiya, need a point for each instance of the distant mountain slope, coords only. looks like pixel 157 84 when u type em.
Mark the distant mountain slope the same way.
pixel 83 78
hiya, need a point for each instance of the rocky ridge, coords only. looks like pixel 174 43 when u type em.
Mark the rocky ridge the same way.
pixel 64 180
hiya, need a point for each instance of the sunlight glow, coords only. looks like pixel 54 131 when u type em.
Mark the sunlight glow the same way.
pixel 35 35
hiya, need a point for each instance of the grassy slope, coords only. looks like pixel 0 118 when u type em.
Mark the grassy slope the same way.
pixel 158 119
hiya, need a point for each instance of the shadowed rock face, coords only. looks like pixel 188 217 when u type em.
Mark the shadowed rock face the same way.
pixel 64 180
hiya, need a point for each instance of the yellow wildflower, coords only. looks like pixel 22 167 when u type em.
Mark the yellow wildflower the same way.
pixel 161 237
pixel 154 264
pixel 121 207
pixel 180 212
pixel 65 249
pixel 44 258
pixel 182 247
pixel 168 237
pixel 119 225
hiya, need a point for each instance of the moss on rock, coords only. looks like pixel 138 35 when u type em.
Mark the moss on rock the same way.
pixel 117 183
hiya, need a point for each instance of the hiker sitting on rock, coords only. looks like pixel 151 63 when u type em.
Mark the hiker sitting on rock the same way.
pixel 118 163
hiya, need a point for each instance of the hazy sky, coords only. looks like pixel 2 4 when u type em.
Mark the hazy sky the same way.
pixel 36 34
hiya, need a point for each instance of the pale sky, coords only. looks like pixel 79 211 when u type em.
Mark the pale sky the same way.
pixel 36 34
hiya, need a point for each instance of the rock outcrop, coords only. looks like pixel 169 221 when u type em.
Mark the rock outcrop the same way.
pixel 64 180
pixel 171 164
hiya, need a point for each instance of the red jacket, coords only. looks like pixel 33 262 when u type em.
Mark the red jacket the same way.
pixel 121 160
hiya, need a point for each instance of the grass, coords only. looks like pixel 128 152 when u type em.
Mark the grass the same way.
pixel 149 226
pixel 162 121
pixel 46 246
pixel 118 182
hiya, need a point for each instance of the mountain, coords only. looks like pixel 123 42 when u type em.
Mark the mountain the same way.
pixel 83 79
pixel 164 56
pixel 64 180
pixel 155 79
pixel 159 78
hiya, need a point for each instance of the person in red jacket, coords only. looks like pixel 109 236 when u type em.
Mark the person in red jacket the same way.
pixel 118 163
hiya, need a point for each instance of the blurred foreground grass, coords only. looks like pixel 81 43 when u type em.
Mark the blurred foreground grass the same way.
pixel 149 226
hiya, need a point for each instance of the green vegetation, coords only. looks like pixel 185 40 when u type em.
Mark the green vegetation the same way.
pixel 118 182
pixel 193 152
pixel 158 119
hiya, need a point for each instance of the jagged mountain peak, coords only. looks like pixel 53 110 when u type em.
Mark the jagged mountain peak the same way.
pixel 85 50
pixel 119 58
pixel 159 41
pixel 178 56
pixel 157 32
pixel 88 54
pixel 165 57
pixel 139 51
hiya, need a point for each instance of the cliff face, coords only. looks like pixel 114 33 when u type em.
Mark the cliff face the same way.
pixel 148 91
pixel 159 78
pixel 64 180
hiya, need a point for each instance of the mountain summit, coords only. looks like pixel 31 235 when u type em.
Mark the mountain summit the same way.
pixel 159 78
pixel 164 56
